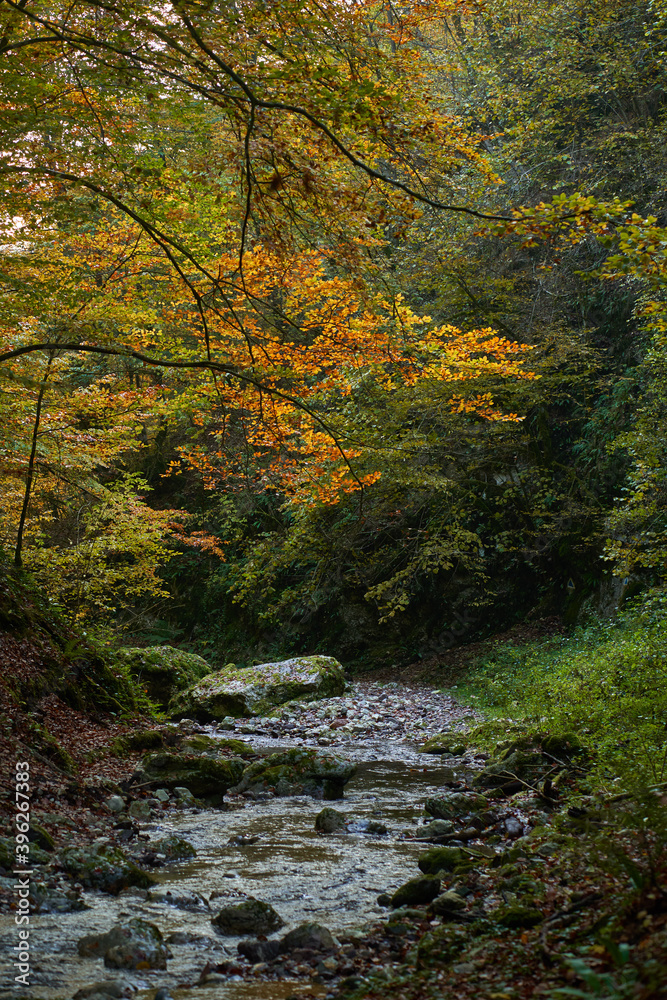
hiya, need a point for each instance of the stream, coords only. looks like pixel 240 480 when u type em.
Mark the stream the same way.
pixel 331 879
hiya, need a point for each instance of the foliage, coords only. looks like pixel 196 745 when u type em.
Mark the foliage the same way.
pixel 389 281
pixel 605 682
pixel 112 559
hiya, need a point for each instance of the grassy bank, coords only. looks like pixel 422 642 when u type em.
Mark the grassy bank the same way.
pixel 606 683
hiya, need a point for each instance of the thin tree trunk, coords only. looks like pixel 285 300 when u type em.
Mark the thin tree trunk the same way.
pixel 18 561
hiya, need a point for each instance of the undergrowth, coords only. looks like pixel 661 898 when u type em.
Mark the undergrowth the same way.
pixel 606 682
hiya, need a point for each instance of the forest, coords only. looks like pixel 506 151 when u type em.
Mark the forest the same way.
pixel 339 330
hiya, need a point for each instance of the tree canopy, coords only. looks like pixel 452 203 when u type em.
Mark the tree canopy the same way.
pixel 341 288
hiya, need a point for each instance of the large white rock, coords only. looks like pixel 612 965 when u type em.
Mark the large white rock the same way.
pixel 256 690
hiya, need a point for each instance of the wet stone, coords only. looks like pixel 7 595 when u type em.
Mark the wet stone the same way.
pixel 416 890
pixel 376 828
pixel 250 917
pixel 103 867
pixel 330 821
pixel 46 899
pixel 437 828
pixel 192 901
pixel 115 804
pixel 448 904
pixel 310 935
pixel 108 988
pixel 455 805
pixel 173 847
pixel 141 947
pixel 440 859
pixel 259 951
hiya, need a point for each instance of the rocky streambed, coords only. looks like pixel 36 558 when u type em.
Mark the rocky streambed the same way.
pixel 338 874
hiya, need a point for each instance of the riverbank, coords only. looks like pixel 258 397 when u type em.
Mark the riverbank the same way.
pixel 519 885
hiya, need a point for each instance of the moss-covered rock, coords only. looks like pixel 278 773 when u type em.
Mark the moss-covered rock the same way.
pixel 136 742
pixel 250 917
pixel 441 946
pixel 104 868
pixel 440 859
pixel 36 855
pixel 309 935
pixel 162 671
pixel 41 837
pixel 567 744
pixel 174 848
pixel 330 821
pixel 298 772
pixel 248 691
pixel 517 915
pixel 199 743
pixel 457 804
pixel 448 905
pixel 524 764
pixel 141 947
pixel 436 828
pixel 416 891
pixel 452 743
pixel 203 776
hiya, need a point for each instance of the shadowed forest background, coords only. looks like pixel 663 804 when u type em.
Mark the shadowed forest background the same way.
pixel 339 327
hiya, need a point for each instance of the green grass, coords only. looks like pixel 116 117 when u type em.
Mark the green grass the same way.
pixel 606 683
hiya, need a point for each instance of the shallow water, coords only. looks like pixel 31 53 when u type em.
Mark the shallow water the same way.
pixel 333 879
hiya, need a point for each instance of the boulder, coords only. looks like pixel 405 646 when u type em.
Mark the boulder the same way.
pixel 330 821
pixel 103 867
pixel 259 951
pixel 140 809
pixel 246 691
pixel 310 936
pixel 449 904
pixel 173 847
pixel 440 859
pixel 184 797
pixel 192 901
pixel 522 764
pixel 45 899
pixel 416 891
pixel 298 772
pixel 115 803
pixel 457 804
pixel 110 989
pixel 36 855
pixel 437 828
pixel 198 743
pixel 97 945
pixel 250 917
pixel 452 743
pixel 41 837
pixel 140 947
pixel 201 775
pixel 162 670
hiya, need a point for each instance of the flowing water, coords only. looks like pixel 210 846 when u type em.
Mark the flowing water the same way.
pixel 331 879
